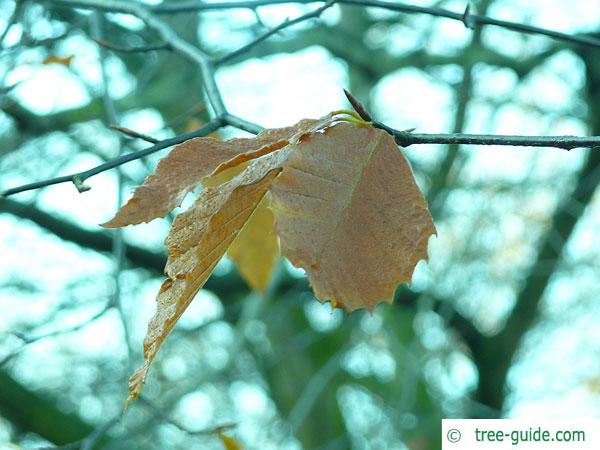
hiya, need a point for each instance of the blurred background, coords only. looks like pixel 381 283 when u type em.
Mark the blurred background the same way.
pixel 502 322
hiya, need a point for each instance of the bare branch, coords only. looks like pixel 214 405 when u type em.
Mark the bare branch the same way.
pixel 134 134
pixel 403 138
pixel 32 339
pixel 472 19
pixel 242 124
pixel 140 49
pixel 168 35
pixel 406 138
pixel 285 24
pixel 118 244
pixel 78 178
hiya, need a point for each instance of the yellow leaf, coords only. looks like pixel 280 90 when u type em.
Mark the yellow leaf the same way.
pixel 182 170
pixel 256 248
pixel 349 212
pixel 62 60
pixel 193 124
pixel 229 443
pixel 198 239
pixel 225 175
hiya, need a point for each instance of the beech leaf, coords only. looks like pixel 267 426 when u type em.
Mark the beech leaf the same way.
pixel 340 198
pixel 198 239
pixel 256 248
pixel 182 170
pixel 349 212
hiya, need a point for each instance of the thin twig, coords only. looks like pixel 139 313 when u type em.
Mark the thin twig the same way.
pixel 32 339
pixel 405 138
pixel 167 34
pixel 118 244
pixel 313 389
pixel 473 19
pixel 78 178
pixel 242 124
pixel 285 24
pixel 140 49
pixel 565 142
pixel 134 134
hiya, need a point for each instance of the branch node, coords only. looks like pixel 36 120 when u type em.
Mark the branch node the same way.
pixel 80 185
pixel 467 18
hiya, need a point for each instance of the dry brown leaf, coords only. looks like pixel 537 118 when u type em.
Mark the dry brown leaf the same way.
pixel 302 128
pixel 256 248
pixel 346 205
pixel 349 212
pixel 182 170
pixel 229 443
pixel 198 239
pixel 62 60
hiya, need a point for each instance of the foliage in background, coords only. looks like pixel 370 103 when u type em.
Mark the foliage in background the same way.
pixel 503 321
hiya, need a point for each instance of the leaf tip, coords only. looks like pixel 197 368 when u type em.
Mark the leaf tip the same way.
pixel 136 383
pixel 109 224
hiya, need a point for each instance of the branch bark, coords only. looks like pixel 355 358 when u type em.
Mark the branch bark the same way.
pixel 470 20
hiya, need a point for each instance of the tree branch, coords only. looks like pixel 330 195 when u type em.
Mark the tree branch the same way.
pixel 470 20
pixel 405 139
pixel 168 35
pixel 206 64
pixel 134 134
pixel 139 49
pixel 79 178
pixel 285 24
